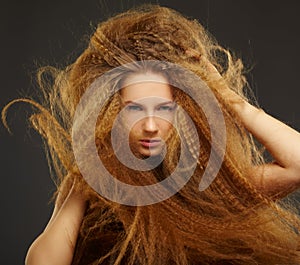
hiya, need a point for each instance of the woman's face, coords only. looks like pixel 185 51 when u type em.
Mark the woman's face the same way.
pixel 148 112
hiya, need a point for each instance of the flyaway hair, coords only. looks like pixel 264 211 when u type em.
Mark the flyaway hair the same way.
pixel 231 222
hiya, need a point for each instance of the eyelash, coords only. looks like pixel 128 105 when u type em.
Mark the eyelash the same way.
pixel 166 108
pixel 160 108
pixel 134 108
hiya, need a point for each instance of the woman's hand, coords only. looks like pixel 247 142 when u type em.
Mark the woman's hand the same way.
pixel 283 143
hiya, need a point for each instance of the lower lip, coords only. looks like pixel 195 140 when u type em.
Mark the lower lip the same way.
pixel 150 144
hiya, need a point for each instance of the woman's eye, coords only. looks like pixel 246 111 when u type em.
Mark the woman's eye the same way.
pixel 134 108
pixel 166 108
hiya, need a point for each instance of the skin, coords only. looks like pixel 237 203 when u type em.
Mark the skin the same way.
pixel 149 111
pixel 57 242
pixel 281 177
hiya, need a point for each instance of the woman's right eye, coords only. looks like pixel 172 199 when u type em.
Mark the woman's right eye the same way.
pixel 134 108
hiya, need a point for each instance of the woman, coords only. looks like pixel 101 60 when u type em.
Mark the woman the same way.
pixel 237 218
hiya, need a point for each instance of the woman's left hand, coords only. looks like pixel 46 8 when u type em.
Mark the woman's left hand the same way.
pixel 281 177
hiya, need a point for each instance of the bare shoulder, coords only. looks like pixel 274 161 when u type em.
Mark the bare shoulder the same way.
pixel 56 244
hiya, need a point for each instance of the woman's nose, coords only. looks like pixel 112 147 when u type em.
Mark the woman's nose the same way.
pixel 150 124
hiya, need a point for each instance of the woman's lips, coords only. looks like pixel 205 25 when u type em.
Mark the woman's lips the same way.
pixel 150 142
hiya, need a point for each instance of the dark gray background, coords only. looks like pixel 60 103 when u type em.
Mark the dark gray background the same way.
pixel 35 33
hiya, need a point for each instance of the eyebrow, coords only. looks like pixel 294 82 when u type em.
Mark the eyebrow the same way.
pixel 160 104
pixel 130 101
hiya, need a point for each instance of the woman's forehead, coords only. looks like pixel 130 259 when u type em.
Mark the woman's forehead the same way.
pixel 143 85
pixel 147 89
pixel 143 77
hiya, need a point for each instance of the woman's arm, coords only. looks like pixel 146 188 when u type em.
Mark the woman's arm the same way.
pixel 283 143
pixel 57 242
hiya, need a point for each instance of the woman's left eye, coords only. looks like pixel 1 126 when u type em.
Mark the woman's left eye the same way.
pixel 166 108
